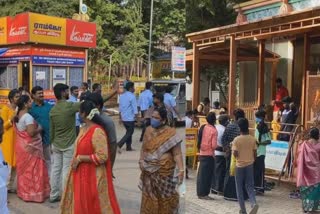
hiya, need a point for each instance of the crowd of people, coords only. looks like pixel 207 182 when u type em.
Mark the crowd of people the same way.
pixel 65 152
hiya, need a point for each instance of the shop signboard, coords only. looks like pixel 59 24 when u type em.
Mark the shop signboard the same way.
pixel 17 29
pixel 47 29
pixel 58 52
pixel 81 34
pixel 3 30
pixel 49 96
pixel 47 60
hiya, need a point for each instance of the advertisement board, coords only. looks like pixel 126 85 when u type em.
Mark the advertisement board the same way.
pixel 3 30
pixel 178 60
pixel 47 29
pixel 276 155
pixel 81 34
pixel 191 141
pixel 17 28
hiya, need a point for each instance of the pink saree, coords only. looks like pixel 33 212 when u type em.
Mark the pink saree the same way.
pixel 308 163
pixel 32 174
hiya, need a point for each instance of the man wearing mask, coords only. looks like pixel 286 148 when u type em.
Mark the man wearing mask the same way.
pixel 128 113
pixel 62 137
pixel 74 90
pixel 40 112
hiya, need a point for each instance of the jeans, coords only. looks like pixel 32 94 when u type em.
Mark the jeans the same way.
pixel 244 176
pixel 127 138
pixel 47 156
pixel 61 164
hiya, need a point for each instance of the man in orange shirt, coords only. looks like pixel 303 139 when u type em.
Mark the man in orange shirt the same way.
pixel 280 94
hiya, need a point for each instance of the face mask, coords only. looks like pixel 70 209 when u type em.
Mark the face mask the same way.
pixel 258 120
pixel 155 123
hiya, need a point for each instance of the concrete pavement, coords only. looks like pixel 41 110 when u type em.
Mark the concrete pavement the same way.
pixel 126 171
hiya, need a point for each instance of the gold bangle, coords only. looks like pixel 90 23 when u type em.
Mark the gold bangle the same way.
pixel 78 158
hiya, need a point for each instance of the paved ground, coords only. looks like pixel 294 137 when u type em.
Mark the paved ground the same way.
pixel 127 175
pixel 273 202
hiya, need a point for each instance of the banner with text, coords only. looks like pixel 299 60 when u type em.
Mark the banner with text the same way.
pixel 276 155
pixel 17 28
pixel 81 34
pixel 178 60
pixel 47 29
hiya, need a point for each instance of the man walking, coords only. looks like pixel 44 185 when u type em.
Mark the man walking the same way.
pixel 144 103
pixel 128 112
pixel 244 149
pixel 74 90
pixel 85 91
pixel 62 135
pixel 40 112
pixel 171 102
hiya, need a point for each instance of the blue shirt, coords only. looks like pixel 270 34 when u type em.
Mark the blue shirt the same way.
pixel 128 106
pixel 41 115
pixel 171 102
pixel 74 99
pixel 145 100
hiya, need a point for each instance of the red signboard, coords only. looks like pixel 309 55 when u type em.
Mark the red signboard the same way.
pixel 18 28
pixel 81 34
pixel 17 51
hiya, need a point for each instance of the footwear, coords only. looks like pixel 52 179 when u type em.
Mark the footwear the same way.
pixel 12 191
pixel 205 197
pixel 254 209
pixel 242 212
pixel 55 200
pixel 130 149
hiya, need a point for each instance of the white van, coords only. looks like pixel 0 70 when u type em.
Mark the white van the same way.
pixel 178 91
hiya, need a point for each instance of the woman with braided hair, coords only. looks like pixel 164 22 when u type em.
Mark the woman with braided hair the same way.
pixel 89 187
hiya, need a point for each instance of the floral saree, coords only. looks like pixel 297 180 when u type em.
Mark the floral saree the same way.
pixel 158 184
pixel 89 189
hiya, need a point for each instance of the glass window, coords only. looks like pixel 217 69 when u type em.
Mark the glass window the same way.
pixel 75 76
pixel 9 77
pixel 41 76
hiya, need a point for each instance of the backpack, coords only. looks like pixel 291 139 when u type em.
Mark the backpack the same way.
pixel 200 136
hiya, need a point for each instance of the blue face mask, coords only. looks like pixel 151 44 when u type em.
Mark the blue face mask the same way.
pixel 258 120
pixel 155 123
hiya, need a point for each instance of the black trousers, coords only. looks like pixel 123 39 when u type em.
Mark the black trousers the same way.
pixel 205 174
pixel 146 123
pixel 259 169
pixel 220 173
pixel 127 138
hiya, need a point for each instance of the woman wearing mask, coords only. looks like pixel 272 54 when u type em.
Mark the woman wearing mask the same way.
pixel 160 154
pixel 89 188
pixel 32 174
pixel 7 114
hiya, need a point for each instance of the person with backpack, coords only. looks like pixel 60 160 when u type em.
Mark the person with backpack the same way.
pixel 207 145
pixel 263 137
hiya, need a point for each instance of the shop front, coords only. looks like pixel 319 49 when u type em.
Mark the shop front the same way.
pixel 42 50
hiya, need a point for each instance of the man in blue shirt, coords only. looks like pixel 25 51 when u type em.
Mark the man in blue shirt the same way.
pixel 128 112
pixel 171 102
pixel 40 112
pixel 145 102
pixel 74 91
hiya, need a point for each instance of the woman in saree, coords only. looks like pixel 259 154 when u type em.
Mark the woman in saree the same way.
pixel 32 174
pixel 308 175
pixel 89 187
pixel 160 155
pixel 7 114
